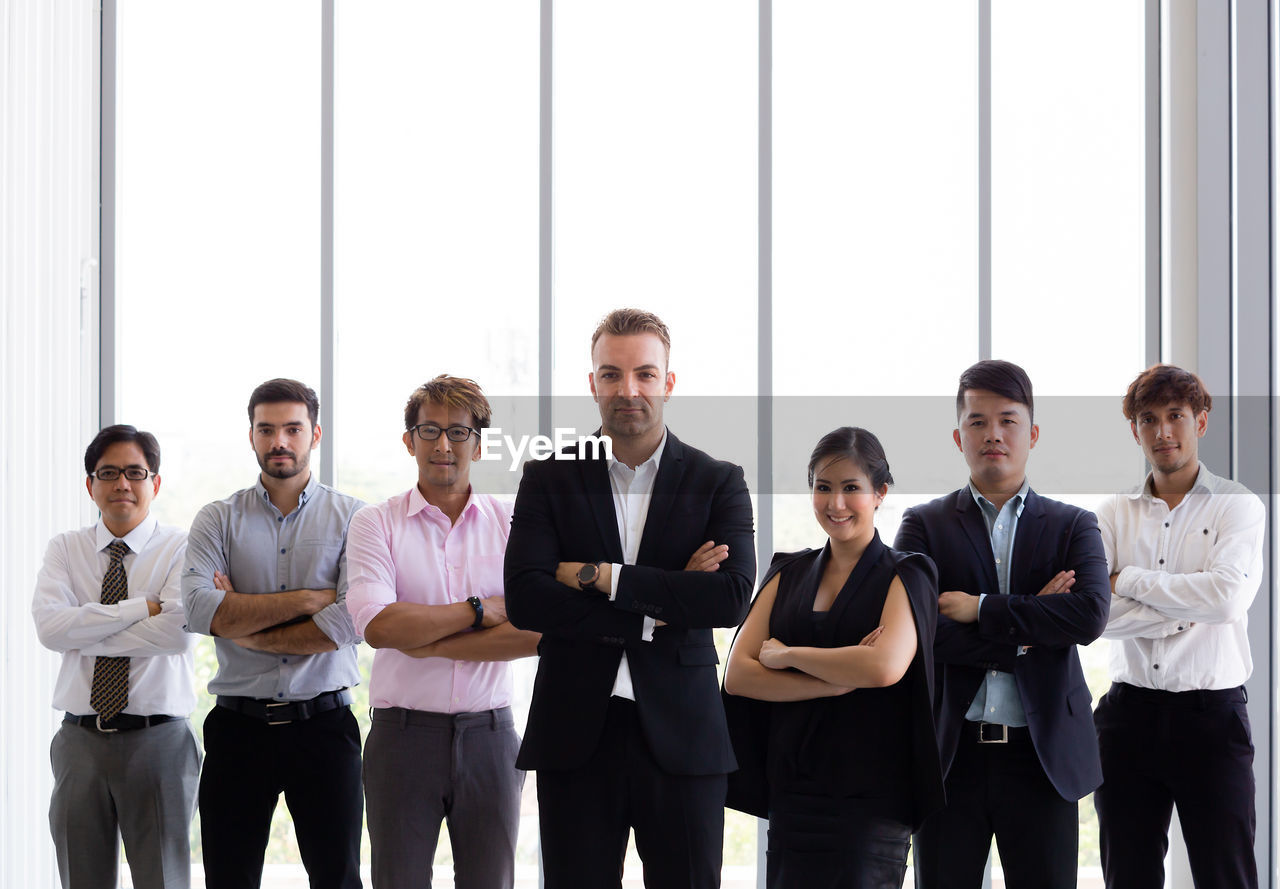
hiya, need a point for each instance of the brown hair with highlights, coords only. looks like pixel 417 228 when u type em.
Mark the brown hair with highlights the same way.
pixel 454 392
pixel 632 322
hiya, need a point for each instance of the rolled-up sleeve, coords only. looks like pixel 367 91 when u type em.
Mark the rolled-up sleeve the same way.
pixel 206 554
pixel 370 568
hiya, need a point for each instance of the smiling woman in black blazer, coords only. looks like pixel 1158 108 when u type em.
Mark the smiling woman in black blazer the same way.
pixel 840 641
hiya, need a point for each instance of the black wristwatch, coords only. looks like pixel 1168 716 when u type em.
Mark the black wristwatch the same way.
pixel 474 602
pixel 588 574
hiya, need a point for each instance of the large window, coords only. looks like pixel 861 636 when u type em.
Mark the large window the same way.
pixel 450 254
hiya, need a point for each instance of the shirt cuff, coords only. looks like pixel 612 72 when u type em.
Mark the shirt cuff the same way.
pixel 981 597
pixel 613 590
pixel 134 609
pixel 646 634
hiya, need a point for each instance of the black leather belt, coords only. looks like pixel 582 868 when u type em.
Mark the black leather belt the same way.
pixel 121 722
pixel 995 733
pixel 284 712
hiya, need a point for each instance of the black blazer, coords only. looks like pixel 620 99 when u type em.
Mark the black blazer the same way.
pixel 564 513
pixel 1051 537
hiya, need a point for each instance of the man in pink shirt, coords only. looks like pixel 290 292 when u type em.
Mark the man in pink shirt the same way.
pixel 426 590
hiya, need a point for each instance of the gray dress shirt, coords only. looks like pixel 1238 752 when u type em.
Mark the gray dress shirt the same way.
pixel 263 551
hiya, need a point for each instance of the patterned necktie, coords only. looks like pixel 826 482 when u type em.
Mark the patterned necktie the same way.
pixel 109 692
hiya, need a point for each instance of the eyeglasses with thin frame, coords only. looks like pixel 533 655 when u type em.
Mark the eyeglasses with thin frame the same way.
pixel 456 433
pixel 113 473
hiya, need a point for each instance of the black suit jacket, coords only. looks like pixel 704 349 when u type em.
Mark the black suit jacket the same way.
pixel 1051 537
pixel 564 513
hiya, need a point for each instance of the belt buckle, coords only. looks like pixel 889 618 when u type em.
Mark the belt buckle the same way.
pixel 268 707
pixel 98 721
pixel 1001 738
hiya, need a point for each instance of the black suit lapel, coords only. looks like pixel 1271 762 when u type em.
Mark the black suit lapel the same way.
pixel 595 479
pixel 665 488
pixel 970 516
pixel 1026 543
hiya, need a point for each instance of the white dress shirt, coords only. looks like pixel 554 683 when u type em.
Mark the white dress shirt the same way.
pixel 1186 579
pixel 71 618
pixel 632 491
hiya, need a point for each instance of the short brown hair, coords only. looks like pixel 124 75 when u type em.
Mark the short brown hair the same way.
pixel 281 390
pixel 1163 384
pixel 631 322
pixel 456 392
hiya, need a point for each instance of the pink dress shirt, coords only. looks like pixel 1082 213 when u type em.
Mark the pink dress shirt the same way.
pixel 404 550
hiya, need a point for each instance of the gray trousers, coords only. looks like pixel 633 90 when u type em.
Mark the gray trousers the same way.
pixel 138 785
pixel 420 768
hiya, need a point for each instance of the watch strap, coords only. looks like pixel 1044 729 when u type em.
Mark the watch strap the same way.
pixel 474 602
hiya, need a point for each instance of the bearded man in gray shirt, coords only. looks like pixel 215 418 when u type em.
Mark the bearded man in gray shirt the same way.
pixel 264 575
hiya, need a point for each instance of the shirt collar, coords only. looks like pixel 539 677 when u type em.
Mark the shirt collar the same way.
pixel 654 459
pixel 417 503
pixel 307 493
pixel 1019 499
pixel 1203 483
pixel 135 539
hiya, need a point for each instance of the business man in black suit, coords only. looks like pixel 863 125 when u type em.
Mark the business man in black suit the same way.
pixel 624 565
pixel 1024 580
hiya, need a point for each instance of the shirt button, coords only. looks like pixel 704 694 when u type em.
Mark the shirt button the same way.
pixel 282 551
pixel 1155 666
pixel 279 694
pixel 284 660
pixel 997 561
pixel 999 527
pixel 1162 561
pixel 993 673
pixel 279 518
pixel 1166 524
pixel 281 586
pixel 993 709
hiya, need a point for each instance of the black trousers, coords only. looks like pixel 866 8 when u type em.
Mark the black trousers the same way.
pixel 1000 790
pixel 819 843
pixel 1193 750
pixel 248 763
pixel 586 814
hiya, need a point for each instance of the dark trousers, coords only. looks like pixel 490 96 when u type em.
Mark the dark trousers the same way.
pixel 1000 790
pixel 421 768
pixel 817 843
pixel 248 763
pixel 1188 749
pixel 586 813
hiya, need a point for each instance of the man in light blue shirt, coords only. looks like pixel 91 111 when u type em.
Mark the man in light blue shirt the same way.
pixel 265 576
pixel 1023 581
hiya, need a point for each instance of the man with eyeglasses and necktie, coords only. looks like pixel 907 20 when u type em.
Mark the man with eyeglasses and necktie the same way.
pixel 264 576
pixel 125 761
pixel 425 588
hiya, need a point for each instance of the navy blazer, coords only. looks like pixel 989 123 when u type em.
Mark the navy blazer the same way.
pixel 564 513
pixel 1051 537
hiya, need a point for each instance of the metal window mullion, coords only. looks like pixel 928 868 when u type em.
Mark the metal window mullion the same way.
pixel 546 217
pixel 1153 178
pixel 764 327
pixel 328 329
pixel 984 179
pixel 108 383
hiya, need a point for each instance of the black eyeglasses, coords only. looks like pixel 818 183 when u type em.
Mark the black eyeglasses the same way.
pixel 456 433
pixel 113 473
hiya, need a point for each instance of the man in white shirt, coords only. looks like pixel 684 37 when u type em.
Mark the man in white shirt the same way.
pixel 1185 554
pixel 125 761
